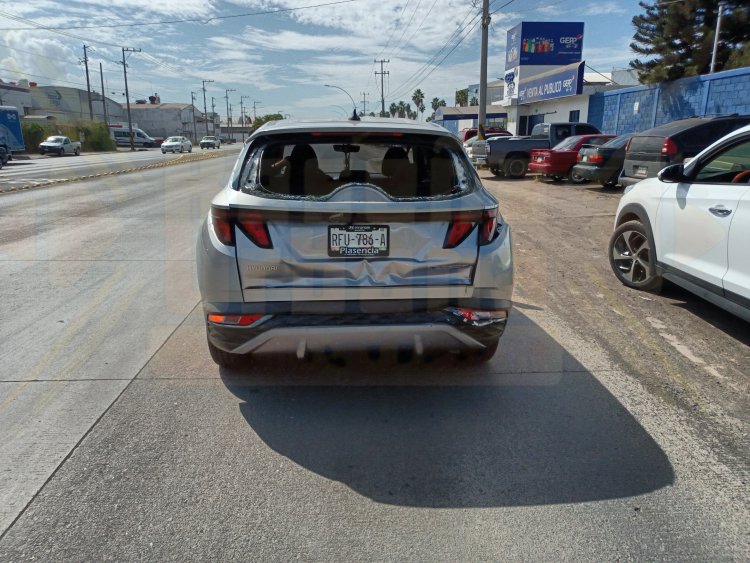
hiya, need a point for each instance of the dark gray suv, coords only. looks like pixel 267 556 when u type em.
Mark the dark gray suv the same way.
pixel 649 151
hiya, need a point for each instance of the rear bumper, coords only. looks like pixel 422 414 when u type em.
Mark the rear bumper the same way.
pixel 626 181
pixel 443 329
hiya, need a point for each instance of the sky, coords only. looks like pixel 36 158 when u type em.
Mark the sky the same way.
pixel 282 60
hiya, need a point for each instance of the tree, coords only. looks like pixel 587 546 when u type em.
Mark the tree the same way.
pixel 421 108
pixel 462 97
pixel 436 103
pixel 474 101
pixel 678 37
pixel 417 97
pixel 393 109
pixel 401 108
pixel 266 118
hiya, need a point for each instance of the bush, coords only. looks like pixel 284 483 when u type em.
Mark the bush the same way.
pixel 96 135
pixel 34 133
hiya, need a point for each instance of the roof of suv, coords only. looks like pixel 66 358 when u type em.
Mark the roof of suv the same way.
pixel 384 125
pixel 673 127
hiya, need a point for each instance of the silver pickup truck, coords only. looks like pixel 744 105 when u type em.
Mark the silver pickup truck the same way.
pixel 59 145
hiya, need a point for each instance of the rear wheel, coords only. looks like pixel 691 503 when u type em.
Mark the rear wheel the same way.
pixel 223 358
pixel 633 257
pixel 576 178
pixel 78 152
pixel 515 167
pixel 181 149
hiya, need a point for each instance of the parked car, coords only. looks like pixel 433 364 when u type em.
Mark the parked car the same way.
pixel 466 134
pixel 140 138
pixel 176 144
pixel 557 163
pixel 691 225
pixel 476 149
pixel 602 163
pixel 371 234
pixel 59 145
pixel 510 156
pixel 651 150
pixel 210 142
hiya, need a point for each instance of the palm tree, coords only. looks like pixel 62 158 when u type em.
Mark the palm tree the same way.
pixel 462 97
pixel 435 104
pixel 474 101
pixel 393 109
pixel 401 109
pixel 417 97
pixel 421 108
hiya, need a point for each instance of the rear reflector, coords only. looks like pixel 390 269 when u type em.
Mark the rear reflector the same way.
pixel 462 224
pixel 233 320
pixel 474 315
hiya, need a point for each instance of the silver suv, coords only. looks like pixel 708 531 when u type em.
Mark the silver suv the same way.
pixel 353 235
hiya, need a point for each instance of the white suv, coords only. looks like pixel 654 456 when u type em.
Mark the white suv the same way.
pixel 691 226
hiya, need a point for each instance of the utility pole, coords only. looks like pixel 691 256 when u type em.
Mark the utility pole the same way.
pixel 382 91
pixel 364 102
pixel 127 94
pixel 88 84
pixel 716 38
pixel 242 116
pixel 229 119
pixel 104 99
pixel 205 109
pixel 482 121
pixel 192 107
pixel 213 115
pixel 255 103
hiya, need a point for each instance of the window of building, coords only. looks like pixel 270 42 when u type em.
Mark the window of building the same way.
pixel 574 116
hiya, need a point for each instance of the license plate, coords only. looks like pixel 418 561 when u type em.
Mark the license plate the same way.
pixel 361 241
pixel 640 172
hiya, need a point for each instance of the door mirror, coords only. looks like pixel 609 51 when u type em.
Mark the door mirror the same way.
pixel 673 173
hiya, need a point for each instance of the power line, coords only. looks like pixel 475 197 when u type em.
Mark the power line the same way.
pixel 40 76
pixel 387 43
pixel 419 3
pixel 187 20
pixel 421 23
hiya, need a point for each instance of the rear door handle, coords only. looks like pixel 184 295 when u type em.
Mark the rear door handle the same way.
pixel 720 211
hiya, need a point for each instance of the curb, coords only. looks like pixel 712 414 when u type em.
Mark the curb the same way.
pixel 180 160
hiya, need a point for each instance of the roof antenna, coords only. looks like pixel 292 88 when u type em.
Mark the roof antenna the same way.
pixel 354 116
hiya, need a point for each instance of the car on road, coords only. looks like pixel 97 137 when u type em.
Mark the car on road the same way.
pixel 557 163
pixel 59 145
pixel 603 163
pixel 649 151
pixel 691 226
pixel 176 144
pixel 210 142
pixel 341 235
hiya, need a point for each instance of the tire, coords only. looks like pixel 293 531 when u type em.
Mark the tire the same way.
pixel 481 356
pixel 61 153
pixel 557 178
pixel 515 167
pixel 77 152
pixel 610 183
pixel 163 151
pixel 182 149
pixel 496 171
pixel 190 149
pixel 633 258
pixel 225 359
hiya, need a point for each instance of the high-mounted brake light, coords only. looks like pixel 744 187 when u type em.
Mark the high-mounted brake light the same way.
pixel 463 223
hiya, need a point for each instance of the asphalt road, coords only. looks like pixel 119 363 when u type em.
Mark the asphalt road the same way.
pixel 610 425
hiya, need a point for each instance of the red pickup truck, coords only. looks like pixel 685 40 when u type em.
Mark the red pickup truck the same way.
pixel 557 163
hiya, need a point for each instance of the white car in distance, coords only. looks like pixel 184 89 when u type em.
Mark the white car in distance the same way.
pixel 176 144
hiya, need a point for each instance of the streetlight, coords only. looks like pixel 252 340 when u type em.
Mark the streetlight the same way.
pixel 205 109
pixel 354 114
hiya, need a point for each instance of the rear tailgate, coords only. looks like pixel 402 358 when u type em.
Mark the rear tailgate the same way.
pixel 644 158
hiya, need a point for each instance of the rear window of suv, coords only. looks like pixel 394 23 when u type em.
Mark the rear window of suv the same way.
pixel 315 165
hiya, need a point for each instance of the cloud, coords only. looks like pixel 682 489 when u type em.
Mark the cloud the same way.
pixel 603 9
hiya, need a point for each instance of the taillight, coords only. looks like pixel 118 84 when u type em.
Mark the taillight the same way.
pixel 596 158
pixel 221 219
pixel 251 223
pixel 668 147
pixel 462 224
pixel 255 228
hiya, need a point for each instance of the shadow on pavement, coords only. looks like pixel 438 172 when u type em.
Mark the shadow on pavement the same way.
pixel 437 435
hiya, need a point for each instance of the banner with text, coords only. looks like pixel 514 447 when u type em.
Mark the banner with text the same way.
pixel 566 81
pixel 544 43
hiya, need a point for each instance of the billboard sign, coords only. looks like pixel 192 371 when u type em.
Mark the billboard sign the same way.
pixel 567 81
pixel 544 43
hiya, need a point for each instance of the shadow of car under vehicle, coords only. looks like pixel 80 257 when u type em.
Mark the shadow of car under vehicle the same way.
pixel 445 435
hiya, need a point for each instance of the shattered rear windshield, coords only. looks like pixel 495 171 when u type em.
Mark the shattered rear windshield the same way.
pixel 315 165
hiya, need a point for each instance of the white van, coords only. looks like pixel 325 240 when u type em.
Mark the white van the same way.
pixel 140 138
